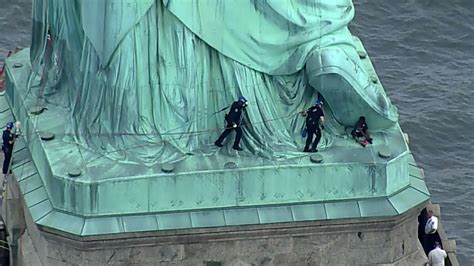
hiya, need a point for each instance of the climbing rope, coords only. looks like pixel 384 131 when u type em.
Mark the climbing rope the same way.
pixel 189 133
pixel 171 133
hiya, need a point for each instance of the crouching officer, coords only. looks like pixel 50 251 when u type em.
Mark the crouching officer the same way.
pixel 8 139
pixel 314 117
pixel 234 121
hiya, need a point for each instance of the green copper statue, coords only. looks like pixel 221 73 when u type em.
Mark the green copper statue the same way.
pixel 145 79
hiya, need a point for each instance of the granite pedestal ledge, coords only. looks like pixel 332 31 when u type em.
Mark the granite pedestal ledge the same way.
pixel 371 241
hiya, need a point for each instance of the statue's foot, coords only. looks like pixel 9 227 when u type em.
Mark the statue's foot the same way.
pixel 343 80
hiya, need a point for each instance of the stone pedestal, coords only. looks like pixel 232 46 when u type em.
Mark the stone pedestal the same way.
pixel 391 241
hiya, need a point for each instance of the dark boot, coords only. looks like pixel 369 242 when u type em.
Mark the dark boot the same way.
pixel 218 144
pixel 237 148
pixel 238 137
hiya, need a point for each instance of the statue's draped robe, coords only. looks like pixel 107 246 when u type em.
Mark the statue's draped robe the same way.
pixel 144 79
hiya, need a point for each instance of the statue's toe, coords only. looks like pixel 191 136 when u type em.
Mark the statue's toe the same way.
pixel 340 77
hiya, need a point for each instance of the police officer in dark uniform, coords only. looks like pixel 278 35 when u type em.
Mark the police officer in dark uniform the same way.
pixel 8 139
pixel 314 116
pixel 234 121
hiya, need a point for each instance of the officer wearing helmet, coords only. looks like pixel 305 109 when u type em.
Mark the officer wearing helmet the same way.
pixel 233 120
pixel 7 147
pixel 314 118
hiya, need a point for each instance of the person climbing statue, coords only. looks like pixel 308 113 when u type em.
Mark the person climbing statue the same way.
pixel 234 122
pixel 360 132
pixel 7 147
pixel 314 118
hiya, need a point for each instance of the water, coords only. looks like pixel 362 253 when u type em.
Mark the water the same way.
pixel 15 25
pixel 423 51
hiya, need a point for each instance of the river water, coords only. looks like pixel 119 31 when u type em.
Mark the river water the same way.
pixel 423 51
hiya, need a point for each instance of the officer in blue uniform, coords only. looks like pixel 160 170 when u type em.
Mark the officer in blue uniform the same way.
pixel 234 122
pixel 8 139
pixel 314 118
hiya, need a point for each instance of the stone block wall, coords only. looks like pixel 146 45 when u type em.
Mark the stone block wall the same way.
pixel 390 241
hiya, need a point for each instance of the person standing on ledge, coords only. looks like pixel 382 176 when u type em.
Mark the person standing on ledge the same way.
pixel 431 224
pixel 7 147
pixel 437 256
pixel 314 117
pixel 431 227
pixel 234 121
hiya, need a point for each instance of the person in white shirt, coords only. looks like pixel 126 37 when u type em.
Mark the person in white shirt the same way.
pixel 431 225
pixel 437 255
